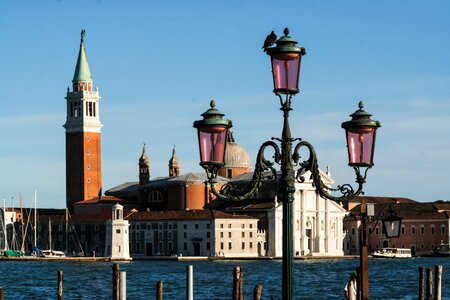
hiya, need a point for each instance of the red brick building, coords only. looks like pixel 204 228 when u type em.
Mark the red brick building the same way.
pixel 424 225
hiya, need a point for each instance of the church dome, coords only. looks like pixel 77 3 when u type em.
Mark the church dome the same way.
pixel 236 156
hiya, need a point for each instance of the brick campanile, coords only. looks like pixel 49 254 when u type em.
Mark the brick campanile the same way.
pixel 83 135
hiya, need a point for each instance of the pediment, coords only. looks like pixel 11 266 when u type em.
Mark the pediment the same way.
pixel 326 178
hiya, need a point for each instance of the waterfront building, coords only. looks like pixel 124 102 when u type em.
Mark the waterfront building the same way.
pixel 83 135
pixel 425 226
pixel 195 233
pixel 74 234
pixel 82 235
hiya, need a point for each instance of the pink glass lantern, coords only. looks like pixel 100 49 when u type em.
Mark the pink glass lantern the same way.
pixel 212 137
pixel 360 133
pixel 286 60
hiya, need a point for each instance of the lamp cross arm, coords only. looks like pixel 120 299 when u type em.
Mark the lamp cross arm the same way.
pixel 264 171
pixel 311 164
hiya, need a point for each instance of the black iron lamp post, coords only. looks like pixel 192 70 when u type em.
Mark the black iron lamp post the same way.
pixel 213 131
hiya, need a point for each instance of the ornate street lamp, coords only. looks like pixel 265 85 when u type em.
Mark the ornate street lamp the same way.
pixel 212 131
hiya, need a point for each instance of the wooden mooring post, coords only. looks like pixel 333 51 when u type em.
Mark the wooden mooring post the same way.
pixel 2 294
pixel 159 290
pixel 115 282
pixel 238 283
pixel 257 292
pixel 60 285
pixel 429 291
pixel 438 282
pixel 189 282
pixel 421 283
pixel 123 285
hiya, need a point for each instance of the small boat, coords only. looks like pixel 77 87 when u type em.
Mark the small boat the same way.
pixel 392 253
pixel 52 253
pixel 12 253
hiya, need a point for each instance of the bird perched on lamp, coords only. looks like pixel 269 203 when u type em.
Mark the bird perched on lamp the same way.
pixel 270 40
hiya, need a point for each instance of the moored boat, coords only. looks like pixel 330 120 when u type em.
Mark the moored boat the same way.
pixel 392 253
pixel 52 253
pixel 12 253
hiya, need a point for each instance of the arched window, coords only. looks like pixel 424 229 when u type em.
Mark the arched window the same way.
pixel 155 196
pixel 413 229
pixel 422 229
pixel 432 229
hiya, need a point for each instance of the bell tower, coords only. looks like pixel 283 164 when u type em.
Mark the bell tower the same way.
pixel 174 165
pixel 144 167
pixel 83 130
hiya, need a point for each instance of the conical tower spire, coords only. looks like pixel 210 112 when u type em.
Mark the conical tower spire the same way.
pixel 82 71
pixel 174 164
pixel 143 160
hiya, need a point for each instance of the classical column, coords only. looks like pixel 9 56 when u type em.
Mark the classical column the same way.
pixel 304 238
pixel 319 227
pixel 327 225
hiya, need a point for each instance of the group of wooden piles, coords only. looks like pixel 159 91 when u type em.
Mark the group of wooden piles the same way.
pixel 238 285
pixel 426 286
pixel 427 289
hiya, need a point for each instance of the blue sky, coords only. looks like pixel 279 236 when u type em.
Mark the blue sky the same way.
pixel 157 65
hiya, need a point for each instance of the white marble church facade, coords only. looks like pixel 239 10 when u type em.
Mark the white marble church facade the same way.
pixel 317 223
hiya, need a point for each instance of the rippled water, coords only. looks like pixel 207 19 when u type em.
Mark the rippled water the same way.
pixel 314 279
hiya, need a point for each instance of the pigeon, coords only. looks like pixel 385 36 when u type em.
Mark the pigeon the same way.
pixel 270 40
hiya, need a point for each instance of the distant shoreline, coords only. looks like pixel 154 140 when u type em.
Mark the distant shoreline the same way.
pixel 172 258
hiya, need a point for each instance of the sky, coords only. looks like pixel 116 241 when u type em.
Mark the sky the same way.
pixel 158 64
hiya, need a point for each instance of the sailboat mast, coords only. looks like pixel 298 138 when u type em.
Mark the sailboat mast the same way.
pixel 35 221
pixel 67 230
pixel 49 234
pixel 4 225
pixel 22 247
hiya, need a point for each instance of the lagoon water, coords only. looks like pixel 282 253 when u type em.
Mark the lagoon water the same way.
pixel 314 279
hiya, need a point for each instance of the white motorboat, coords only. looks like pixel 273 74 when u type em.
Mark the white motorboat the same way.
pixel 392 253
